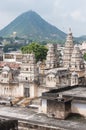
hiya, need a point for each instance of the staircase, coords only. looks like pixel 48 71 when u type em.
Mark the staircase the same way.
pixel 23 101
pixel 26 102
pixel 16 100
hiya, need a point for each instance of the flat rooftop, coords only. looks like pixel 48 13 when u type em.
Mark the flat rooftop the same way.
pixel 79 92
pixel 32 117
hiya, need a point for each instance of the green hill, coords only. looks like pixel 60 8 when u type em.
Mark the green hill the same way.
pixel 31 25
pixel 81 38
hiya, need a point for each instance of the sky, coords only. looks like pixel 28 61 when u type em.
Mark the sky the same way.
pixel 63 14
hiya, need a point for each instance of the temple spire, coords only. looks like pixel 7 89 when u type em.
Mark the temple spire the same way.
pixel 77 62
pixel 52 60
pixel 68 48
pixel 70 31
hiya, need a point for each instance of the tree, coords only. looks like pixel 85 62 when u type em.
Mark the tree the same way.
pixel 84 56
pixel 40 51
pixel 11 47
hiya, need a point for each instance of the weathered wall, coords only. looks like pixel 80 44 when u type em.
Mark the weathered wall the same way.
pixel 33 90
pixel 51 80
pixel 11 90
pixel 41 89
pixel 55 109
pixel 44 106
pixel 25 126
pixel 58 109
pixel 79 108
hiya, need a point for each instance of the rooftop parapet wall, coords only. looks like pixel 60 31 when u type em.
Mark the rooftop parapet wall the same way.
pixel 55 92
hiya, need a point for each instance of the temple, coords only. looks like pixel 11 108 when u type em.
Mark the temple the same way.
pixel 23 80
pixel 23 77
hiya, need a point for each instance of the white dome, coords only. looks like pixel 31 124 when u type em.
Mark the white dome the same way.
pixel 6 68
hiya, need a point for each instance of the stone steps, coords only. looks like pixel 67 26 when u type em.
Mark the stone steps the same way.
pixel 17 100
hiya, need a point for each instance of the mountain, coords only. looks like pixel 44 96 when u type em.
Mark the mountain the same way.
pixel 30 24
pixel 81 38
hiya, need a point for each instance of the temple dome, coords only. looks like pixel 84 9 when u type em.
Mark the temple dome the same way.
pixel 6 68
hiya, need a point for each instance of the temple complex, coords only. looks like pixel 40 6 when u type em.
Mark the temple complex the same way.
pixel 31 79
pixel 46 86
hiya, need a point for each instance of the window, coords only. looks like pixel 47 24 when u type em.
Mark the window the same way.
pixel 26 69
pixel 26 78
pixel 48 78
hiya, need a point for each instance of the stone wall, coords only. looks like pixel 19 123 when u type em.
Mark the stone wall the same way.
pixel 58 109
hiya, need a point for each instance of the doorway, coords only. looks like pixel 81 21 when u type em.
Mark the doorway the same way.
pixel 26 92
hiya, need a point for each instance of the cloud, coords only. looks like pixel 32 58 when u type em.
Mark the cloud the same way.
pixel 78 16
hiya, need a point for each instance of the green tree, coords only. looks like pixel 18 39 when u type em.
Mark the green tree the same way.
pixel 40 51
pixel 84 56
pixel 12 47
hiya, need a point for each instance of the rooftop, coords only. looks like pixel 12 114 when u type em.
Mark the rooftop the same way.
pixel 57 70
pixel 14 65
pixel 77 92
pixel 31 117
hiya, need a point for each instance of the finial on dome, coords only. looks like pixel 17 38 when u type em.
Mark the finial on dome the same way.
pixel 70 30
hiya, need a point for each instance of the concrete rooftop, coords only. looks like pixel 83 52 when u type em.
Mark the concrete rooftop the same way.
pixel 33 117
pixel 75 92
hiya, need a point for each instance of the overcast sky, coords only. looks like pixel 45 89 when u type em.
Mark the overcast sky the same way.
pixel 61 13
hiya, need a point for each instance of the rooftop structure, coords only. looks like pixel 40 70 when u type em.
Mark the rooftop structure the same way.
pixel 23 80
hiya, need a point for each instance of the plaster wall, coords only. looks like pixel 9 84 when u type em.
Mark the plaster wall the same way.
pixel 44 106
pixel 79 108
pixel 33 90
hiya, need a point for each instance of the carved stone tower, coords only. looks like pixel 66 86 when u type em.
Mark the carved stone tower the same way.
pixel 77 62
pixel 68 50
pixel 52 56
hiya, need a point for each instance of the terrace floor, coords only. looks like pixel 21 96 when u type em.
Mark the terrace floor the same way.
pixel 31 116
